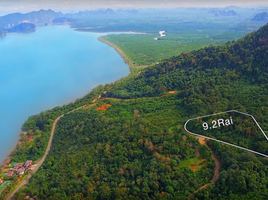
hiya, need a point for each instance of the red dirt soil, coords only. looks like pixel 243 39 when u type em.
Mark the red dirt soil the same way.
pixel 103 107
pixel 193 168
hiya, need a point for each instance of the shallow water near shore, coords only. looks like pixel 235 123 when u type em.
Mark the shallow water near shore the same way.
pixel 50 67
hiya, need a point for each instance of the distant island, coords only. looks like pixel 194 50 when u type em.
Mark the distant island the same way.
pixel 22 28
pixel 36 17
pixel 260 17
pixel 25 23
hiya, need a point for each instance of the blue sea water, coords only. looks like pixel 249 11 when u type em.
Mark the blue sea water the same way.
pixel 50 67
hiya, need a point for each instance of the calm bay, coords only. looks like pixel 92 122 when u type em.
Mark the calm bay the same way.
pixel 50 67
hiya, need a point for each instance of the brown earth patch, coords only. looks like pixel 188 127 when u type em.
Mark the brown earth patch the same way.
pixel 103 107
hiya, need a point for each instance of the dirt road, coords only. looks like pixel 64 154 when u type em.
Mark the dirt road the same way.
pixel 216 172
pixel 26 180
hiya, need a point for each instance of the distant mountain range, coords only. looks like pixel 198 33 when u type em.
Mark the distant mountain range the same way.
pixel 35 17
pixel 101 12
pixel 8 23
pixel 218 13
pixel 261 17
pixel 91 12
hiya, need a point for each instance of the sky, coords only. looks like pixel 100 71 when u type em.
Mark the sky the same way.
pixel 8 6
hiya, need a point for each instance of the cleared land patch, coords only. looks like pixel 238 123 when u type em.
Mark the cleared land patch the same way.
pixel 193 163
pixel 233 128
pixel 104 107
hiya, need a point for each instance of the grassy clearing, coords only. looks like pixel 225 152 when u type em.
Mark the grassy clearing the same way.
pixel 195 163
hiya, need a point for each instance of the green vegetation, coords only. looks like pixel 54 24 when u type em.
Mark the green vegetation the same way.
pixel 139 154
pixel 39 128
pixel 138 148
pixel 186 30
pixel 211 80
pixel 241 130
pixel 145 50
pixel 13 183
pixel 243 175
pixel 193 163
pixel 4 185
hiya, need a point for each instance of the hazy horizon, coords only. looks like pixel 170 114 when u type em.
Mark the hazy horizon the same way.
pixel 7 6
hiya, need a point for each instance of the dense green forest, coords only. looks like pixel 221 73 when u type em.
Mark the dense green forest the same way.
pixel 123 153
pixel 137 148
pixel 232 127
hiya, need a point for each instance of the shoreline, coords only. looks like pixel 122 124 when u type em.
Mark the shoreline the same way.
pixel 88 31
pixel 120 52
pixel 7 160
pixel 127 60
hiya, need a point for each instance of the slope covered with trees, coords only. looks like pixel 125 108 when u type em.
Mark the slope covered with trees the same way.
pixel 138 149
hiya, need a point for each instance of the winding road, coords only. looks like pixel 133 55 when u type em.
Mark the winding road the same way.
pixel 215 177
pixel 26 180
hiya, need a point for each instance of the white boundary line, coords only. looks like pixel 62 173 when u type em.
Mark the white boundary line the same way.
pixel 227 142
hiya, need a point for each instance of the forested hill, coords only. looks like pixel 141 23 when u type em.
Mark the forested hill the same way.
pixel 247 57
pixel 138 149
pixel 22 28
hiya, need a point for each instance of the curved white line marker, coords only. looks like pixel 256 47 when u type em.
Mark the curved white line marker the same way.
pixel 227 142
